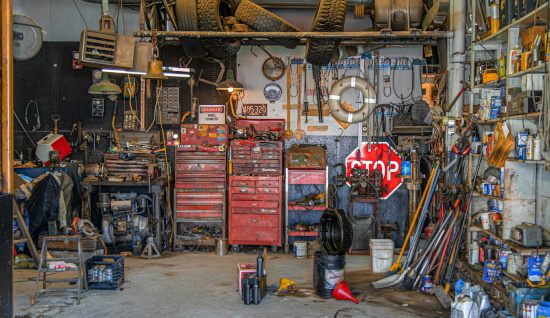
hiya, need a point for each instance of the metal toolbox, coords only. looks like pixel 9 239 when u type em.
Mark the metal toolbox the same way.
pixel 262 157
pixel 306 157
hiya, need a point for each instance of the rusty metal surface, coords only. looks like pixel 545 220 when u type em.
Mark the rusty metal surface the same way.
pixel 365 35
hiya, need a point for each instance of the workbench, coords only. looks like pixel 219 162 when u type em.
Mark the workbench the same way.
pixel 157 187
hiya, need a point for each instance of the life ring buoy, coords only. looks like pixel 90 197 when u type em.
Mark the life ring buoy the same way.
pixel 369 99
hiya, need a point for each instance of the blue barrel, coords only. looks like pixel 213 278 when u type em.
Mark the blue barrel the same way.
pixel 544 310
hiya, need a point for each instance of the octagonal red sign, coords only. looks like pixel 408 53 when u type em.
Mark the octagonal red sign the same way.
pixel 377 158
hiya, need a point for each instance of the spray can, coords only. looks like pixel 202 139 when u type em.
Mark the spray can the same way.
pixel 495 22
pixel 474 253
pixel 538 148
pixel 530 145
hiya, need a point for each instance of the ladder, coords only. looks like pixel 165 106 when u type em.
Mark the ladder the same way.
pixel 43 269
pixel 26 236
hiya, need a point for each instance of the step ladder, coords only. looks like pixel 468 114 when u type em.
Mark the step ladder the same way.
pixel 43 269
pixel 26 236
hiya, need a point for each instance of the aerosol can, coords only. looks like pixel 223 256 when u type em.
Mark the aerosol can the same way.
pixel 474 253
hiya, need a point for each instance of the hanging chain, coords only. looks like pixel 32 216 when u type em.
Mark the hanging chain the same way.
pixel 155 43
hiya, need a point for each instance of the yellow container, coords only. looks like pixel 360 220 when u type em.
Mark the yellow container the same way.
pixel 495 22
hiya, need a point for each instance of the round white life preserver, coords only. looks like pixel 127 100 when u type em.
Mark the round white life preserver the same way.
pixel 369 99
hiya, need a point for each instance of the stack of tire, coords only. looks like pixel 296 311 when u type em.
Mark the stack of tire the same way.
pixel 206 15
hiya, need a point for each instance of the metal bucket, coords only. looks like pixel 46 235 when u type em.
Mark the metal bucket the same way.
pixel 221 246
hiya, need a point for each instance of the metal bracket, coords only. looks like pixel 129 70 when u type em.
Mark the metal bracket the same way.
pixel 220 75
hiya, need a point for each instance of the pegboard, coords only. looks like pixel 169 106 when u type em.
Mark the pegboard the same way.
pixel 49 79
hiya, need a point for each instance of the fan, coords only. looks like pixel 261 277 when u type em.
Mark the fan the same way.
pixel 27 37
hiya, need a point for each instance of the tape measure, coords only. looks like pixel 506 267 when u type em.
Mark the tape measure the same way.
pixel 317 128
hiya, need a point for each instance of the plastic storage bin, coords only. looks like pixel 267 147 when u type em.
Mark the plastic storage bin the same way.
pixel 381 255
pixel 105 272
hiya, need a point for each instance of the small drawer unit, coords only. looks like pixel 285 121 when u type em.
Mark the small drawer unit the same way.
pixel 257 157
pixel 255 210
pixel 200 178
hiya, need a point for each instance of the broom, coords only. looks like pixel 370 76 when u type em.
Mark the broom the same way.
pixel 396 267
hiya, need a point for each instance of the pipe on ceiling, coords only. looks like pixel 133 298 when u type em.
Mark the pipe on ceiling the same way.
pixel 280 4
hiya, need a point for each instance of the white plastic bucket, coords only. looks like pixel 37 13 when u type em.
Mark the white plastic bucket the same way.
pixel 300 249
pixel 381 255
pixel 485 221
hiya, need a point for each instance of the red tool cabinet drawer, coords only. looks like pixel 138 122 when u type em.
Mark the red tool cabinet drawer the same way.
pixel 268 183
pixel 200 183
pixel 241 182
pixel 254 235
pixel 254 210
pixel 243 190
pixel 255 204
pixel 254 220
pixel 306 176
pixel 248 197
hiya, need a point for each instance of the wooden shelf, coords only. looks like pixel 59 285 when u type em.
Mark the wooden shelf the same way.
pixel 480 228
pixel 493 84
pixel 302 233
pixel 523 23
pixel 488 196
pixel 497 120
pixel 536 69
pixel 528 161
pixel 511 244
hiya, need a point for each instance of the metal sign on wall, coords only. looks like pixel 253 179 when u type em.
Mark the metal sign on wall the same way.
pixel 211 114
pixel 382 157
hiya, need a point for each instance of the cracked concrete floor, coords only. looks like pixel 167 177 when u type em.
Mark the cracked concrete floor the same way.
pixel 204 285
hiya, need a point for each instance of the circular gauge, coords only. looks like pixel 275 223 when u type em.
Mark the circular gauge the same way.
pixel 272 92
pixel 273 68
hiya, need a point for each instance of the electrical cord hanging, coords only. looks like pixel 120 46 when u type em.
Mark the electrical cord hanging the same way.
pixel 403 64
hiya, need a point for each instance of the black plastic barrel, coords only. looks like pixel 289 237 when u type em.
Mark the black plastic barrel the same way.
pixel 328 270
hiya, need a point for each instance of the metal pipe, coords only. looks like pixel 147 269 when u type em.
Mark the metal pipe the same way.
pixel 302 35
pixel 458 54
pixel 7 96
pixel 282 4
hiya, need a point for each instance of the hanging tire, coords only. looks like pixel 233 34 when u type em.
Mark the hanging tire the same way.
pixel 330 17
pixel 210 14
pixel 262 20
pixel 186 16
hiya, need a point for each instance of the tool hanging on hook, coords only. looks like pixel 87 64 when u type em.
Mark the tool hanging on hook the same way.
pixel 37 115
pixel 306 104
pixel 317 79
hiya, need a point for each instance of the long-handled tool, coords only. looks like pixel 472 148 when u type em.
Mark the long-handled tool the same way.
pixel 317 78
pixel 288 132
pixel 397 278
pixel 408 281
pixel 461 228
pixel 397 265
pixel 306 104
pixel 414 244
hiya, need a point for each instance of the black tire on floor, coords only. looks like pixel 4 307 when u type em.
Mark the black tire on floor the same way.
pixel 330 17
pixel 210 14
pixel 262 20
pixel 186 15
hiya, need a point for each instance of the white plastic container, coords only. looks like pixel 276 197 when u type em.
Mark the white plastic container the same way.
pixel 532 82
pixel 462 308
pixel 381 255
pixel 474 253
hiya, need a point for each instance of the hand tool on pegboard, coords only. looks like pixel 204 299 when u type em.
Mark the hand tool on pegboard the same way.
pixel 288 132
pixel 306 104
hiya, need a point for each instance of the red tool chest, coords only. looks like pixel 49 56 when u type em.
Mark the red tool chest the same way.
pixel 256 186
pixel 200 177
pixel 255 212
pixel 258 157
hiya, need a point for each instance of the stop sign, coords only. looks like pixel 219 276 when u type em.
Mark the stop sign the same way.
pixel 380 154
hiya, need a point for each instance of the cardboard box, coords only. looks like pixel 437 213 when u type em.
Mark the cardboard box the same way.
pixel 529 35
pixel 242 270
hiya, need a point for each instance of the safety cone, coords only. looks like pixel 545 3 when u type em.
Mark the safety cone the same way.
pixel 341 292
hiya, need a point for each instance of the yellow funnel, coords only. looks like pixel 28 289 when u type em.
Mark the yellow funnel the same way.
pixel 287 284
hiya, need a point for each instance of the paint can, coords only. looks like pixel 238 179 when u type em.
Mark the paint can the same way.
pixel 485 223
pixel 529 308
pixel 492 272
pixel 427 282
pixel 300 249
pixel 221 246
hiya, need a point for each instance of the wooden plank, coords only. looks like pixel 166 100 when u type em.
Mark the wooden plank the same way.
pixel 312 109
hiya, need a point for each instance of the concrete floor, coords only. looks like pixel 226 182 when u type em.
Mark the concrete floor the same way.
pixel 204 285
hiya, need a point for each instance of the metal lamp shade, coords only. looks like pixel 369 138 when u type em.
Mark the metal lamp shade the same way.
pixel 104 87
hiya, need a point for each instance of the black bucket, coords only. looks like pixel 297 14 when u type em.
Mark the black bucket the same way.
pixel 328 271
